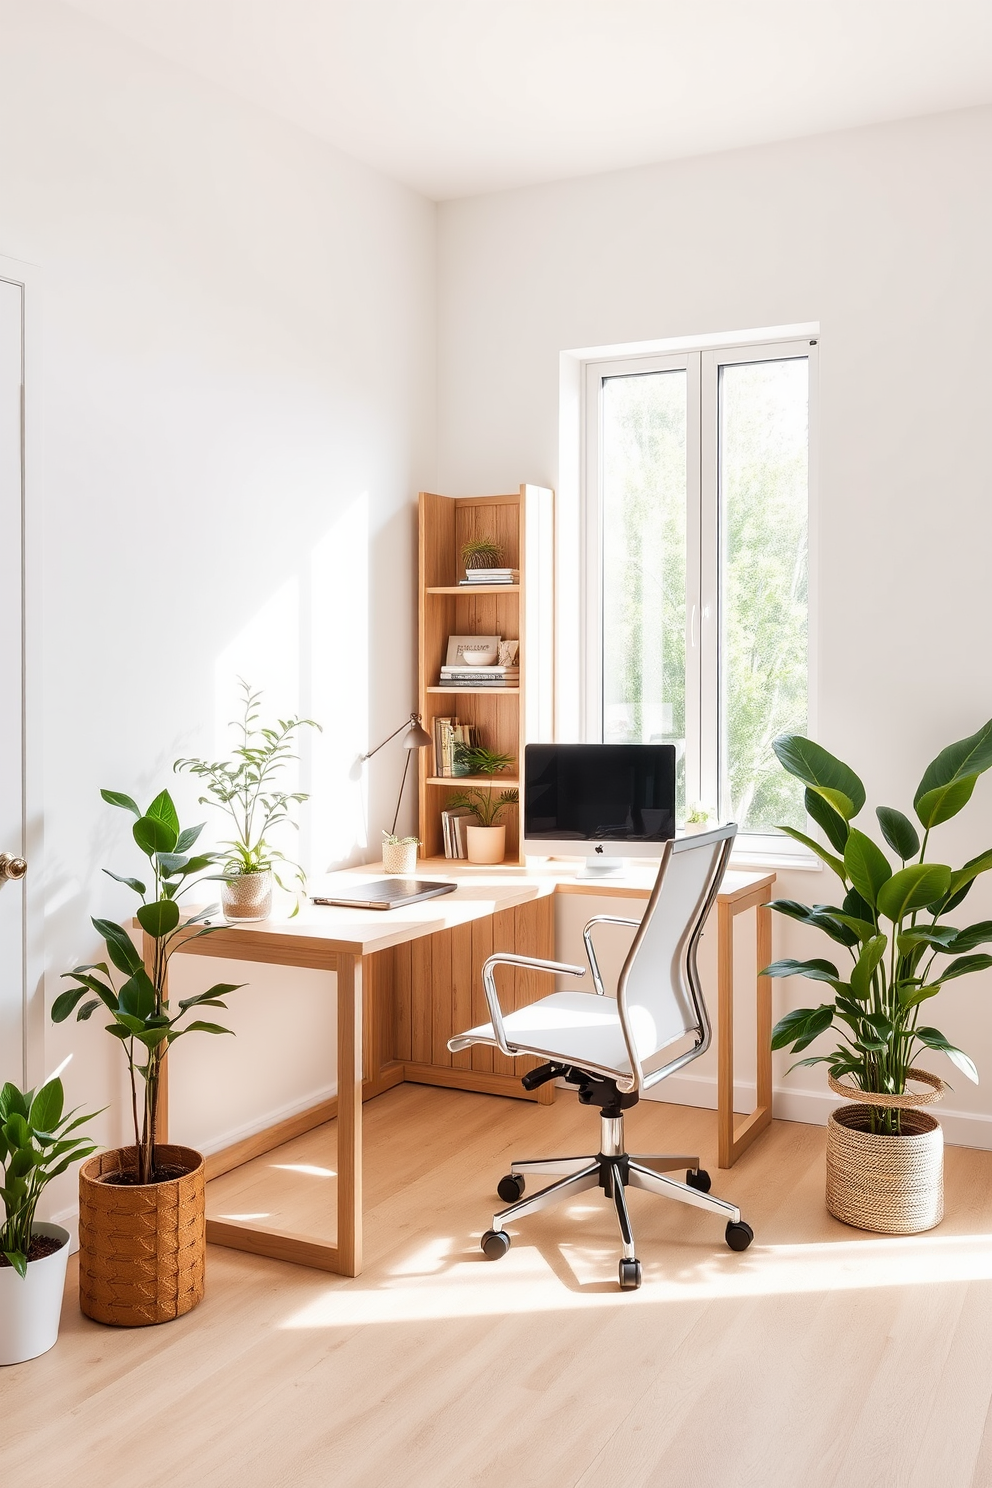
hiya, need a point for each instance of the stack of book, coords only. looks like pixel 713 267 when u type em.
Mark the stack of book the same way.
pixel 448 733
pixel 491 576
pixel 463 675
pixel 453 824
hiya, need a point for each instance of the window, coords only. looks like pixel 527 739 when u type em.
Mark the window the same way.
pixel 696 594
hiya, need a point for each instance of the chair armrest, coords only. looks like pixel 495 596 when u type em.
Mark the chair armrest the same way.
pixel 591 949
pixel 532 963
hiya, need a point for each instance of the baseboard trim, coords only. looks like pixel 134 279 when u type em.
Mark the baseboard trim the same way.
pixel 811 1107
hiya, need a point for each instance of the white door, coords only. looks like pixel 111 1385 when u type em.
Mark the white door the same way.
pixel 12 921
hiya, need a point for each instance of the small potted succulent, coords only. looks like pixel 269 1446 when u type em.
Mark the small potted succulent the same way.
pixel 697 817
pixel 399 854
pixel 142 1209
pixel 899 948
pixel 486 840
pixel 244 788
pixel 35 1147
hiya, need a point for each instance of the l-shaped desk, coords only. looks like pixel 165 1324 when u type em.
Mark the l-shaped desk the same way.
pixel 408 979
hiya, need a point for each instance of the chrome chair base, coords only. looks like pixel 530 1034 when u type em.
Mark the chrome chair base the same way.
pixel 613 1170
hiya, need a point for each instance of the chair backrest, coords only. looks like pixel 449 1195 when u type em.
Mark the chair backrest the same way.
pixel 659 995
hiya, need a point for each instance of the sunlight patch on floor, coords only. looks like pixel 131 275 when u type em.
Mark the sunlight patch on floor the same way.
pixel 524 1281
pixel 262 1214
pixel 310 1170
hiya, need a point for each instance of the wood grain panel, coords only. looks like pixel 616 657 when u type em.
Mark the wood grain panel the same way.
pixel 507 982
pixel 442 1012
pixel 402 1002
pixel 421 958
pixel 461 990
pixel 482 949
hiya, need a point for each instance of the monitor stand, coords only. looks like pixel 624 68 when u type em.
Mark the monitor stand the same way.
pixel 596 867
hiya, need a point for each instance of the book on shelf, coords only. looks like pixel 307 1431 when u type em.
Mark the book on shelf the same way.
pixel 461 681
pixel 448 733
pixel 480 671
pixel 453 823
pixel 491 576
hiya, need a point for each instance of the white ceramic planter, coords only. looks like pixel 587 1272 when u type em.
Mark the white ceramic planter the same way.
pixel 485 844
pixel 247 896
pixel 31 1306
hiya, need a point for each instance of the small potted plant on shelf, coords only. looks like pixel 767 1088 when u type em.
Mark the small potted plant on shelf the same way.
pixel 486 841
pixel 697 817
pixel 35 1147
pixel 884 1155
pixel 481 552
pixel 142 1235
pixel 244 788
pixel 399 854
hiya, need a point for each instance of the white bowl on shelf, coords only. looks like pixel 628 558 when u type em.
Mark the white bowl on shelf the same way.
pixel 479 655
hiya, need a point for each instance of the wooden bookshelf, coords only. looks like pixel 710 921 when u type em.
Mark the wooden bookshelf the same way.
pixel 506 717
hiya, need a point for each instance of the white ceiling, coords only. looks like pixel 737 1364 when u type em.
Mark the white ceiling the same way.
pixel 457 97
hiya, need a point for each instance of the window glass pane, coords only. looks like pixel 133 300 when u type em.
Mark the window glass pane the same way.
pixel 644 561
pixel 763 460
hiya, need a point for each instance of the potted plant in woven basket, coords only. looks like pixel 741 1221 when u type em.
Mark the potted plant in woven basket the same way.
pixel 35 1147
pixel 142 1223
pixel 898 947
pixel 486 841
pixel 244 788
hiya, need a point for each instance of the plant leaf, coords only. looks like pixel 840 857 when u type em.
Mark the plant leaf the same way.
pixel 158 918
pixel 117 798
pixel 867 964
pixel 46 1108
pixel 153 835
pixel 821 771
pixel 934 1039
pixel 832 823
pixel 945 801
pixel 965 965
pixel 132 883
pixel 162 809
pixel 821 852
pixel 898 832
pixel 912 888
pixel 802 1025
pixel 963 760
pixel 187 837
pixel 816 970
pixel 867 866
pixel 972 936
pixel 120 946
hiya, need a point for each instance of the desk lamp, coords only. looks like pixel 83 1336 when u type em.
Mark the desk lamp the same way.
pixel 416 738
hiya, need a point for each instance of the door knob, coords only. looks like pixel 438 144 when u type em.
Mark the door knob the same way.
pixel 11 867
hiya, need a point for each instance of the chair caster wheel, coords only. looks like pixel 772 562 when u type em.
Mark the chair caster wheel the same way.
pixel 630 1276
pixel 739 1236
pixel 495 1243
pixel 511 1188
pixel 699 1179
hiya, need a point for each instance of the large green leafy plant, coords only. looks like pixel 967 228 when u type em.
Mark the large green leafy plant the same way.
pixel 892 922
pixel 244 787
pixel 142 1017
pixel 35 1147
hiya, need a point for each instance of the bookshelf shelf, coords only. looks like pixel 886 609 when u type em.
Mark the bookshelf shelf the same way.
pixel 505 718
pixel 483 691
pixel 475 590
pixel 458 782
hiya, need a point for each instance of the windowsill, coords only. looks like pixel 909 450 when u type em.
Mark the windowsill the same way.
pixel 746 858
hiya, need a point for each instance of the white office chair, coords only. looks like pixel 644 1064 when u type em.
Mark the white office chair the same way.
pixel 613 1048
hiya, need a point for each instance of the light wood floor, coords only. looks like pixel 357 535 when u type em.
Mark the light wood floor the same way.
pixel 820 1356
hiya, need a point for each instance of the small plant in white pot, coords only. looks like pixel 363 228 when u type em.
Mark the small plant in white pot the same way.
pixel 399 854
pixel 35 1147
pixel 486 840
pixel 244 788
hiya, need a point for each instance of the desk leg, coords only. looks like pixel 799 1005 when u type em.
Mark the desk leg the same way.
pixel 733 1140
pixel 349 1114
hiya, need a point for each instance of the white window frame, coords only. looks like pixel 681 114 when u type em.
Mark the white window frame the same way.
pixel 703 629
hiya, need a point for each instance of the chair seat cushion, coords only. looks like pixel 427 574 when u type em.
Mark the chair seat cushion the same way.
pixel 575 1027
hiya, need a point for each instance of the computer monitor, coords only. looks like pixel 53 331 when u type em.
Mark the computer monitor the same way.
pixel 606 801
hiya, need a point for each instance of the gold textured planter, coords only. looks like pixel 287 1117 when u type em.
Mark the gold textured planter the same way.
pixel 247 896
pixel 893 1185
pixel 142 1247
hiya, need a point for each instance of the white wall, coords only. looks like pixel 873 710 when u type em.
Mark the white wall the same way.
pixel 882 236
pixel 237 353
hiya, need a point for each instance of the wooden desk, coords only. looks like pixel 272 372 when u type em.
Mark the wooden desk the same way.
pixel 407 979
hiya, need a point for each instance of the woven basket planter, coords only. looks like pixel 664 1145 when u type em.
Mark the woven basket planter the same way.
pixel 893 1185
pixel 142 1247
